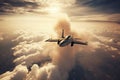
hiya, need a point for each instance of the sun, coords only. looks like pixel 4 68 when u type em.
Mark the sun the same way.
pixel 54 9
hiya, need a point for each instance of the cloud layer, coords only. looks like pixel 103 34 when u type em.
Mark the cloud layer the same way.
pixel 38 60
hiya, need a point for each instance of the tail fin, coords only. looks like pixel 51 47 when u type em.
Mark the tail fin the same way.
pixel 62 33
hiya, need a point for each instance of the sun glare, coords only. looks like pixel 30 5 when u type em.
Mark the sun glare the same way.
pixel 54 9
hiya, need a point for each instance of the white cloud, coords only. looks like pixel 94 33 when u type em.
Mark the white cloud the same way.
pixel 47 72
pixel 19 73
pixel 30 51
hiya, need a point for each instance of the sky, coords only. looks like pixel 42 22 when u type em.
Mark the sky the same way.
pixel 23 12
pixel 26 24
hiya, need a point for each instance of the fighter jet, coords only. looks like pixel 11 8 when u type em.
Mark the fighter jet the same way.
pixel 64 41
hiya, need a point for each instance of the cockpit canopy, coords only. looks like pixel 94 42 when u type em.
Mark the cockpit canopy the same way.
pixel 68 37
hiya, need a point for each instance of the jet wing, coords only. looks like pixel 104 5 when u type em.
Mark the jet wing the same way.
pixel 80 42
pixel 52 40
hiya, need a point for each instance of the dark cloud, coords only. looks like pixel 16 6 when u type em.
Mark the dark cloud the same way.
pixel 93 6
pixel 10 6
pixel 18 3
pixel 107 6
pixel 6 56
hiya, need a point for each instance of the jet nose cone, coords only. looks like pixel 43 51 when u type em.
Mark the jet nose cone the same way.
pixel 46 40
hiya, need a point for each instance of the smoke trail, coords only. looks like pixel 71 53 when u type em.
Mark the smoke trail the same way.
pixel 65 56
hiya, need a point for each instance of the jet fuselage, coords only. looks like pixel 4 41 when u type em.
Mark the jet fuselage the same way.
pixel 66 41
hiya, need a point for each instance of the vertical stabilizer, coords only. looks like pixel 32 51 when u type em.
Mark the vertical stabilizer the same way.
pixel 62 33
